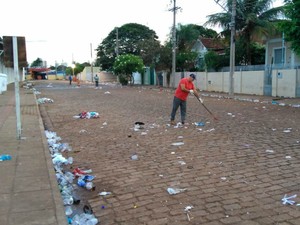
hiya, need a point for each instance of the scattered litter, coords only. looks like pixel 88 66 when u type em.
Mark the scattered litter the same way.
pixel 5 157
pixel 36 92
pixel 82 131
pixel 269 151
pixel 187 209
pixel 177 143
pixel 139 125
pixel 180 137
pixel 210 130
pixel 200 124
pixel 174 191
pixel 296 106
pixel 172 153
pixel 288 157
pixel 87 115
pixel 178 125
pixel 144 133
pixel 134 157
pixel 44 100
pixel 288 130
pixel 181 163
pixel 65 180
pixel 223 178
pixel 231 114
pixel 107 92
pixel 78 172
pixel 68 210
pixel 104 193
pixel 287 200
pixel 273 129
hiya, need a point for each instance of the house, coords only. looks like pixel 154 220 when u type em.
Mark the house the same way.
pixel 204 45
pixel 279 54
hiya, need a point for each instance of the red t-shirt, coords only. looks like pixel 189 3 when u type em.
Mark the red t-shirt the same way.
pixel 182 94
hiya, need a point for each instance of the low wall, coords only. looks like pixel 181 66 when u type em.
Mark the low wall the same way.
pixel 285 83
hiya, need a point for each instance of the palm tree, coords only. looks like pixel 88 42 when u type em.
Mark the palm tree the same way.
pixel 254 19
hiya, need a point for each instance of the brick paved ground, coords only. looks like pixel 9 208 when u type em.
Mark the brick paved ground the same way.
pixel 236 170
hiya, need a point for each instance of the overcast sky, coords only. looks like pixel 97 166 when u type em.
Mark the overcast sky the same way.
pixel 64 30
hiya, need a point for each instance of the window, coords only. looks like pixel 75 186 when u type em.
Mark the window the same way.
pixel 279 56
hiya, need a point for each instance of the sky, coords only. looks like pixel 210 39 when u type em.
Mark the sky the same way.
pixel 60 31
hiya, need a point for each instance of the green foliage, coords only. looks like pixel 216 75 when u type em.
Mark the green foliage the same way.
pixel 125 65
pixel 254 19
pixel 188 34
pixel 135 39
pixel 186 61
pixel 37 63
pixel 258 54
pixel 213 61
pixel 77 69
pixel 291 26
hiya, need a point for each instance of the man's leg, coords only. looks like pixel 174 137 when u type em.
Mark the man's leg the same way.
pixel 176 103
pixel 183 111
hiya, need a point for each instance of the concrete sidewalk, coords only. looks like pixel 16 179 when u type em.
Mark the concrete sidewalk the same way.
pixel 29 192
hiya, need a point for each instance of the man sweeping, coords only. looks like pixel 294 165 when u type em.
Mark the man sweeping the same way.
pixel 185 87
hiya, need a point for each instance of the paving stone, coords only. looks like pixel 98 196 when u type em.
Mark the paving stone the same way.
pixel 233 148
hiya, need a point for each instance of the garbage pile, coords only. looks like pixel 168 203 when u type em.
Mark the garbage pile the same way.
pixel 66 179
pixel 44 100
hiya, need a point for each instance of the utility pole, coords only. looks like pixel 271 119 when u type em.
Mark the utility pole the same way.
pixel 174 10
pixel 117 42
pixel 232 49
pixel 17 89
pixel 92 64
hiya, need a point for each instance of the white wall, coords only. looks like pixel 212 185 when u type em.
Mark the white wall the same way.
pixel 284 83
pixel 249 82
pixel 245 82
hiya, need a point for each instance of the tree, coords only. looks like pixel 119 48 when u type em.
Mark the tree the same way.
pixel 254 18
pixel 291 26
pixel 188 34
pixel 37 63
pixel 131 38
pixel 186 38
pixel 77 69
pixel 125 65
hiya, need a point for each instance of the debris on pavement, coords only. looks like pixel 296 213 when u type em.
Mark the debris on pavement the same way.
pixel 44 100
pixel 134 157
pixel 65 180
pixel 200 124
pixel 5 157
pixel 269 151
pixel 177 143
pixel 174 191
pixel 187 210
pixel 87 115
pixel 286 200
pixel 104 193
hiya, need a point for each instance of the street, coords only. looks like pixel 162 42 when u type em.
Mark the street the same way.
pixel 234 170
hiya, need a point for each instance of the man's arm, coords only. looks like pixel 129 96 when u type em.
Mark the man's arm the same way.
pixel 183 88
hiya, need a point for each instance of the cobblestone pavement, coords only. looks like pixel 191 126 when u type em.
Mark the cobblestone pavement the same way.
pixel 232 171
